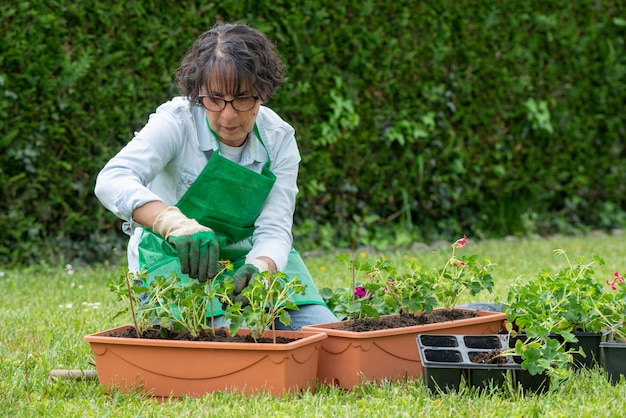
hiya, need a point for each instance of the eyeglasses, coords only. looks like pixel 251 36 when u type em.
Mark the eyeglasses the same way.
pixel 217 104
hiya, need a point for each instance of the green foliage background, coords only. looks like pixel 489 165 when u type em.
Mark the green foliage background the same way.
pixel 416 120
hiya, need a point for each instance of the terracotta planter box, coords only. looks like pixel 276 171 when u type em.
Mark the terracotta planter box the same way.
pixel 614 360
pixel 447 360
pixel 348 358
pixel 166 368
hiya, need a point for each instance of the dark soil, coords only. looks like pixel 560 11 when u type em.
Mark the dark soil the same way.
pixel 406 320
pixel 357 325
pixel 487 357
pixel 221 335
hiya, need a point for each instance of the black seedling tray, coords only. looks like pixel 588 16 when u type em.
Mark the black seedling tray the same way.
pixel 449 359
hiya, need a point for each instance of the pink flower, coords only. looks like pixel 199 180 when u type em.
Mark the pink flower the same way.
pixel 461 242
pixel 391 282
pixel 360 292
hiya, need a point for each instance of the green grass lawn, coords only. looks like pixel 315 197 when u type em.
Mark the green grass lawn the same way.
pixel 45 312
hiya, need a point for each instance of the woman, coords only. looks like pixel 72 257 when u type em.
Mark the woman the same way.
pixel 212 175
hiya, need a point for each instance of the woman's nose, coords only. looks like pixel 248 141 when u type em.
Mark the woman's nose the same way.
pixel 229 111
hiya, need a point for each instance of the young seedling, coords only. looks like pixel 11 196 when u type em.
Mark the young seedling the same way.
pixel 169 302
pixel 268 298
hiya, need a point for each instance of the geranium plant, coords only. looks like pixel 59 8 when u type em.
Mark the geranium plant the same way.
pixel 548 310
pixel 542 355
pixel 616 323
pixel 130 290
pixel 570 300
pixel 386 289
pixel 459 275
pixel 172 303
pixel 169 302
pixel 268 299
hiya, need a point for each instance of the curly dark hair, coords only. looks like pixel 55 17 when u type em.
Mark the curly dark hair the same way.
pixel 240 57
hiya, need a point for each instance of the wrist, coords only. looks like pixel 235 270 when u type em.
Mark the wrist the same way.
pixel 172 222
pixel 167 220
pixel 260 264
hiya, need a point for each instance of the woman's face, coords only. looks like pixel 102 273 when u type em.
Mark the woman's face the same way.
pixel 231 126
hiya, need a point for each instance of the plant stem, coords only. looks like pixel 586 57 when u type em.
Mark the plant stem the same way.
pixel 209 295
pixel 132 305
pixel 273 322
pixel 352 317
pixel 353 283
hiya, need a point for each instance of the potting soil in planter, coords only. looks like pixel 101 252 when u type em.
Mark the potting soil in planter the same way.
pixel 219 335
pixel 447 360
pixel 406 320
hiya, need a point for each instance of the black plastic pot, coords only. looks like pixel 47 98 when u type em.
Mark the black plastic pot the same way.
pixel 614 356
pixel 447 360
pixel 590 343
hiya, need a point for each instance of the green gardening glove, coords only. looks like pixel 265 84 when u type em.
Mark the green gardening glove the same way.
pixel 196 245
pixel 242 278
pixel 198 254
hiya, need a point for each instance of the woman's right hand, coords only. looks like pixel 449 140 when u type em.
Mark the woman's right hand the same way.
pixel 196 245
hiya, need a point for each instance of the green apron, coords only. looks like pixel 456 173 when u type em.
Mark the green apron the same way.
pixel 227 198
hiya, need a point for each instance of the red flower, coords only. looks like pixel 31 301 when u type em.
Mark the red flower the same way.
pixel 617 279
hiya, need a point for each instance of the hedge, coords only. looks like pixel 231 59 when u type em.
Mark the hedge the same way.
pixel 415 120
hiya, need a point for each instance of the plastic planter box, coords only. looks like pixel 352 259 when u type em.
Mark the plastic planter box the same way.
pixel 177 368
pixel 348 358
pixel 447 360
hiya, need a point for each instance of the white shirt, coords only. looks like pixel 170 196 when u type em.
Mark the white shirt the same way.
pixel 168 154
